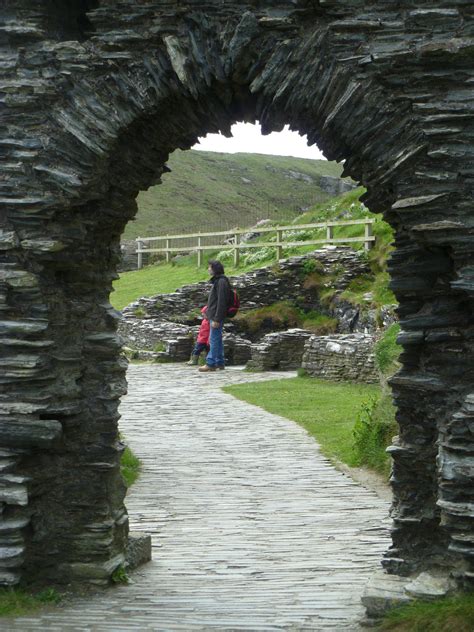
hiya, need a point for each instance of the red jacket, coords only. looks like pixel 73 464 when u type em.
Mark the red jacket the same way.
pixel 204 329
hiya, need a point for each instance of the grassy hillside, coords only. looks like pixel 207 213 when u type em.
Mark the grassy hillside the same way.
pixel 210 191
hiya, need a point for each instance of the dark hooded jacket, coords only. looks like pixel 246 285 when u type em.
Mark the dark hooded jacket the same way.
pixel 219 298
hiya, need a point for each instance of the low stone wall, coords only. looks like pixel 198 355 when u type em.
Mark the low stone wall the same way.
pixel 262 287
pixel 345 357
pixel 165 340
pixel 280 350
pixel 151 339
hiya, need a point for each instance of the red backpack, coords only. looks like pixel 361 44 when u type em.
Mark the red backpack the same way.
pixel 234 304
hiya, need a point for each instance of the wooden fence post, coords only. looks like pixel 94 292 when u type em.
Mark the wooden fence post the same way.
pixel 368 233
pixel 140 254
pixel 199 252
pixel 236 250
pixel 329 233
pixel 167 253
pixel 279 248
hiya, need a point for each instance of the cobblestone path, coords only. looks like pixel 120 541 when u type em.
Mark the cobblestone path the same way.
pixel 252 528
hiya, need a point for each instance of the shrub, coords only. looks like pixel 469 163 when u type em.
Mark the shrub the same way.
pixel 311 265
pixel 373 431
pixel 387 350
pixel 273 317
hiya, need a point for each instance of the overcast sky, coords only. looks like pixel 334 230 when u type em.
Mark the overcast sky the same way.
pixel 248 138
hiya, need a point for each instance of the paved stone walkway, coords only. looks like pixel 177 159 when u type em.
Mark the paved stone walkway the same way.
pixel 252 528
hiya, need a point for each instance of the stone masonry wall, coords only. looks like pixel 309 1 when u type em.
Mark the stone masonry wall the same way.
pixel 279 282
pixel 281 350
pixel 347 357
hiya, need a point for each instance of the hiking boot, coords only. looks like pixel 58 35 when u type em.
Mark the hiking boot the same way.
pixel 206 368
pixel 220 368
pixel 193 360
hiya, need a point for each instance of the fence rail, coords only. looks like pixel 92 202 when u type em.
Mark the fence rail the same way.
pixel 236 245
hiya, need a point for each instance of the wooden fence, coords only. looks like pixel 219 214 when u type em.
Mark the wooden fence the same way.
pixel 233 240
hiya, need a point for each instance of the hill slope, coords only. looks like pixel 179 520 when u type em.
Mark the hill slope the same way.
pixel 213 191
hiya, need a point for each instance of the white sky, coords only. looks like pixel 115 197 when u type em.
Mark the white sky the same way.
pixel 248 138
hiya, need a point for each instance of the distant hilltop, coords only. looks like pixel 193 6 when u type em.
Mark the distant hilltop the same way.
pixel 215 191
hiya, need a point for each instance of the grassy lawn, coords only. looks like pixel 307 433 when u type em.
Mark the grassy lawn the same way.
pixel 152 280
pixel 328 410
pixel 165 278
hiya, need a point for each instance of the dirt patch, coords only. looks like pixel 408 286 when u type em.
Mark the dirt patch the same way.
pixel 368 479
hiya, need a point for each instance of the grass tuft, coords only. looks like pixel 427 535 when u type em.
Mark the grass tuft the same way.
pixel 15 602
pixel 129 467
pixel 451 614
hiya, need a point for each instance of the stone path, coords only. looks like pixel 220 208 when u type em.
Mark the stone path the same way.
pixel 252 528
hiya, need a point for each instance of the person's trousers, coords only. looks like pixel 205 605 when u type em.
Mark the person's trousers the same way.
pixel 199 347
pixel 215 357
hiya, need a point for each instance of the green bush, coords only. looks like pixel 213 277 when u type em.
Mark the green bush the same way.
pixel 387 350
pixel 373 431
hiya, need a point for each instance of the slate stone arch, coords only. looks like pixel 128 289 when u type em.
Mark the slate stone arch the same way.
pixel 94 100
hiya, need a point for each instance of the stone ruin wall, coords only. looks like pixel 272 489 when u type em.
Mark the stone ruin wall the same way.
pixel 265 286
pixel 94 97
pixel 342 358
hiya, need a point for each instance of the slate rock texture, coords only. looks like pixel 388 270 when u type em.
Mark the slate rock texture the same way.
pixel 345 357
pixel 286 280
pixel 282 350
pixel 94 97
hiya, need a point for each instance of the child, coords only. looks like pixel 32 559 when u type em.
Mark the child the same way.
pixel 202 342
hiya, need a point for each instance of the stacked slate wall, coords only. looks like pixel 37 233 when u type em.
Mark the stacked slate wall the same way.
pixel 342 358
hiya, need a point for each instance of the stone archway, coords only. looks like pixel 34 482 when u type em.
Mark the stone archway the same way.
pixel 95 96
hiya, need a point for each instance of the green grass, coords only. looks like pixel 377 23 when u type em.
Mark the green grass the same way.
pixel 208 190
pixel 454 614
pixel 151 280
pixel 15 602
pixel 328 410
pixel 129 467
pixel 164 278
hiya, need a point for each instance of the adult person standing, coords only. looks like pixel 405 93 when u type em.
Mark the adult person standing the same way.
pixel 217 306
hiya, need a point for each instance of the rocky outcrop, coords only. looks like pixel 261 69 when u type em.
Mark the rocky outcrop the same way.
pixel 335 186
pixel 341 358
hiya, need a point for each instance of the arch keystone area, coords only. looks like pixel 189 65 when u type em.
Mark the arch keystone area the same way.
pixel 94 96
